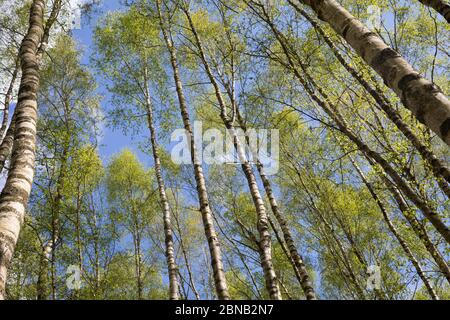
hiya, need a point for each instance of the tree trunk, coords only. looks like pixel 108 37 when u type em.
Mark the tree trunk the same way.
pixel 136 233
pixel 186 260
pixel 7 143
pixel 14 197
pixel 78 235
pixel 305 281
pixel 442 7
pixel 208 222
pixel 286 252
pixel 424 99
pixel 8 98
pixel 171 264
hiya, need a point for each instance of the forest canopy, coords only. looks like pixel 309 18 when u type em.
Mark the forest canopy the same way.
pixel 224 149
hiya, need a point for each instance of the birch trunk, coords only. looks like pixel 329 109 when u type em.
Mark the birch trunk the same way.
pixel 298 260
pixel 441 6
pixel 14 197
pixel 7 143
pixel 171 264
pixel 208 222
pixel 286 252
pixel 424 99
pixel 7 103
pixel 50 248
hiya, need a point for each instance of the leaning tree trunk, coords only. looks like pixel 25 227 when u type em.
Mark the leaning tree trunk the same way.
pixel 208 221
pixel 286 252
pixel 171 264
pixel 424 99
pixel 441 6
pixel 8 98
pixel 7 143
pixel 14 197
pixel 262 219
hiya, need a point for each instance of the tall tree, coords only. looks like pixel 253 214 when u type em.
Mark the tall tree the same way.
pixel 14 197
pixel 133 39
pixel 208 222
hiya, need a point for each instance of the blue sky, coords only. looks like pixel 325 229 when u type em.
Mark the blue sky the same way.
pixel 113 141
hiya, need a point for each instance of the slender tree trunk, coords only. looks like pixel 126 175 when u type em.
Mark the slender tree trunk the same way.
pixel 186 260
pixel 96 240
pixel 439 169
pixel 441 6
pixel 171 264
pixel 208 222
pixel 8 98
pixel 78 235
pixel 137 251
pixel 396 234
pixel 137 255
pixel 50 247
pixel 14 197
pixel 7 143
pixel 139 266
pixel 41 283
pixel 286 252
pixel 424 99
pixel 298 260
